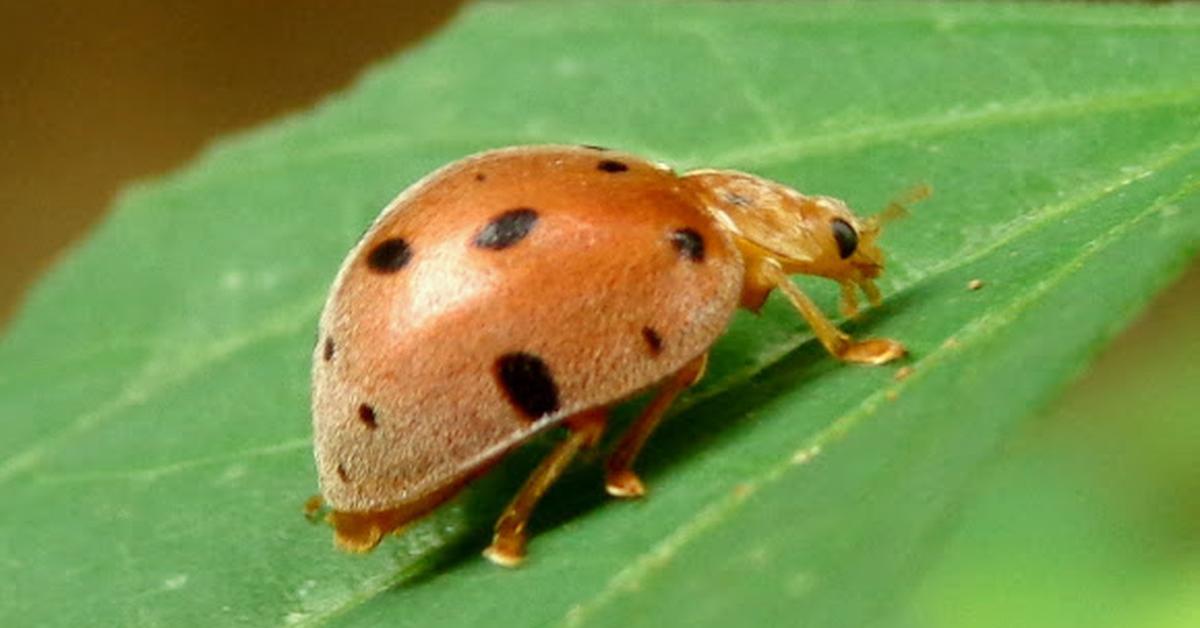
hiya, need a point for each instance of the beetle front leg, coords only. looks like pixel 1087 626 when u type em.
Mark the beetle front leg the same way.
pixel 837 342
pixel 849 305
pixel 508 544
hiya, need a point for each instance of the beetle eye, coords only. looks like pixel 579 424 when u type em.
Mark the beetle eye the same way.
pixel 847 238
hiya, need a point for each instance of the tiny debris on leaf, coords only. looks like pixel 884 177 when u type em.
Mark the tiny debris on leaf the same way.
pixel 903 372
pixel 974 284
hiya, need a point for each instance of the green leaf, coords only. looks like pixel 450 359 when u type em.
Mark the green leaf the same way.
pixel 154 448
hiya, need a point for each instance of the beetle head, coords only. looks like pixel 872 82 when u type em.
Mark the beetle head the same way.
pixel 813 235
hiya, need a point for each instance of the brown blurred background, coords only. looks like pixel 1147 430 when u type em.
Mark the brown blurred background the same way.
pixel 97 94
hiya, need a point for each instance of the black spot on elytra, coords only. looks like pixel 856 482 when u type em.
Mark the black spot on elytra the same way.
pixel 846 237
pixel 507 229
pixel 479 176
pixel 389 256
pixel 653 340
pixel 328 351
pixel 612 165
pixel 366 414
pixel 341 471
pixel 526 381
pixel 689 243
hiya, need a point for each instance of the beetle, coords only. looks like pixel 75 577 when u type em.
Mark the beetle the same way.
pixel 530 287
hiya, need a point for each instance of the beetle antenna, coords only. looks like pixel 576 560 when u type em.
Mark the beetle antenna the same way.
pixel 897 208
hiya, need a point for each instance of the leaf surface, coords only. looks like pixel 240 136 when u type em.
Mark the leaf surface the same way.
pixel 154 450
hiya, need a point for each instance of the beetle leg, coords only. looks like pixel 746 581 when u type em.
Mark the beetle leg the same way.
pixel 313 507
pixel 872 291
pixel 837 342
pixel 508 544
pixel 755 287
pixel 619 478
pixel 849 299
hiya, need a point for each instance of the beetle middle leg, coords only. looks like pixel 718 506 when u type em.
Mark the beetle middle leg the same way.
pixel 508 544
pixel 619 478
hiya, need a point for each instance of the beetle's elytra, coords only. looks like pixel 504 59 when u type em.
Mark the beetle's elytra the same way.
pixel 532 287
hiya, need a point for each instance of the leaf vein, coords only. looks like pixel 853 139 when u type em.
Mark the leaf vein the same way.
pixel 157 374
pixel 153 473
pixel 994 114
pixel 717 51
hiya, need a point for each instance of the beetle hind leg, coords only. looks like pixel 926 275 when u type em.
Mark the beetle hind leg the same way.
pixel 508 544
pixel 619 478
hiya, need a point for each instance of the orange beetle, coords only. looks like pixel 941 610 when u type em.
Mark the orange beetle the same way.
pixel 531 287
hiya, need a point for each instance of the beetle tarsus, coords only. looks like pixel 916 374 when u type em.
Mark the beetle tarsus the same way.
pixel 508 551
pixel 624 483
pixel 873 351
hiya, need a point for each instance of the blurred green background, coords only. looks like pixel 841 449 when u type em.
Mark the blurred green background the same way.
pixel 1091 518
